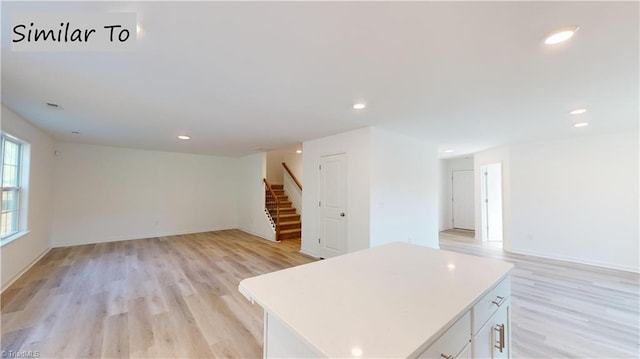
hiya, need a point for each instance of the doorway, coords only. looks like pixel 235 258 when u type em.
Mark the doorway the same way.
pixel 333 205
pixel 491 202
pixel 462 199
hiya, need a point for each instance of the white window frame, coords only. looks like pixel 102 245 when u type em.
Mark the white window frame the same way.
pixel 22 179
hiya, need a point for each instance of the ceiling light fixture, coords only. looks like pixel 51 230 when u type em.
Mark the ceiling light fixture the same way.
pixel 359 106
pixel 183 137
pixel 561 35
pixel 448 151
pixel 581 124
pixel 579 111
pixel 298 151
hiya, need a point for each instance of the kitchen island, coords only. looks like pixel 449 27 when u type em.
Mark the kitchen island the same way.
pixel 394 301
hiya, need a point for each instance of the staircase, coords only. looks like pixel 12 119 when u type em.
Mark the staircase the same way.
pixel 290 226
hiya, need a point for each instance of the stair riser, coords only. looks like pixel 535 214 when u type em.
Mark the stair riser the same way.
pixel 290 226
pixel 289 218
pixel 282 213
pixel 285 205
pixel 290 235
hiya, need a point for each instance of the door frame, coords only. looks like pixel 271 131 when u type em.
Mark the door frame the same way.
pixel 484 201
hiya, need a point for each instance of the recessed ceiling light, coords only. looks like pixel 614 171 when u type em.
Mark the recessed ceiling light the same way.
pixel 183 137
pixel 298 151
pixel 561 35
pixel 578 111
pixel 359 106
pixel 448 151
pixel 581 124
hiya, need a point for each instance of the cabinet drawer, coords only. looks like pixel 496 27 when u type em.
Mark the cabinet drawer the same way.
pixel 452 342
pixel 488 305
pixel 493 341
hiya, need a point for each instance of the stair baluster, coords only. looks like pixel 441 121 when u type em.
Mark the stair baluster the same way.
pixel 272 202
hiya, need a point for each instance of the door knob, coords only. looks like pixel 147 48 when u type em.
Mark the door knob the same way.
pixel 342 214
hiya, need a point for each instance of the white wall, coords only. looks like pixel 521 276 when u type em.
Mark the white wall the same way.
pixel 250 196
pixel 274 164
pixel 107 194
pixel 495 155
pixel 356 145
pixel 445 169
pixel 18 255
pixel 294 162
pixel 404 190
pixel 577 199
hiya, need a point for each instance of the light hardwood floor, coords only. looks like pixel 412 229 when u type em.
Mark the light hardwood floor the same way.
pixel 565 310
pixel 177 297
pixel 171 297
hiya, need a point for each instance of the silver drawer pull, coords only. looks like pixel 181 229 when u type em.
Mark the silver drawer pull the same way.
pixel 447 356
pixel 499 301
pixel 500 342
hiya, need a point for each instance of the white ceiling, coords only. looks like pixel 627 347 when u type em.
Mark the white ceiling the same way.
pixel 241 76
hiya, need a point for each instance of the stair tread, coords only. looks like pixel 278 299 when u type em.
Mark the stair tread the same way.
pixel 286 231
pixel 290 222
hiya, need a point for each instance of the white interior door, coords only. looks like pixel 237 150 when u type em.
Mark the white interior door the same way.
pixel 462 199
pixel 492 202
pixel 333 205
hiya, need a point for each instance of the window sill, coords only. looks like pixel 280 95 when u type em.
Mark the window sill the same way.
pixel 12 238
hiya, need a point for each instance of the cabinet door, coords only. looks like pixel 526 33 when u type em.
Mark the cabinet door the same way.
pixel 494 339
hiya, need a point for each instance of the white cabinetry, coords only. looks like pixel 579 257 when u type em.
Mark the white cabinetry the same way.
pixel 492 338
pixel 392 301
pixel 453 342
pixel 483 332
pixel 466 352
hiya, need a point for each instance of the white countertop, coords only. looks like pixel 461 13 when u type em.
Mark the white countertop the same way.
pixel 389 301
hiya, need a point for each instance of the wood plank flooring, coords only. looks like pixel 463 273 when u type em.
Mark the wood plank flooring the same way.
pixel 170 297
pixel 177 296
pixel 565 310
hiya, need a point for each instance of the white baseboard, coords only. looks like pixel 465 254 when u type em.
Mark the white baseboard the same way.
pixel 308 253
pixel 257 235
pixel 576 260
pixel 136 236
pixel 17 276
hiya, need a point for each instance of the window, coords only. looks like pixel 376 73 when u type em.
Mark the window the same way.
pixel 12 161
